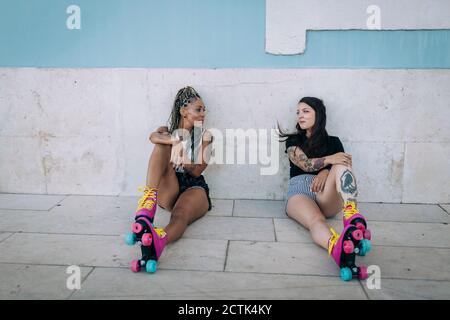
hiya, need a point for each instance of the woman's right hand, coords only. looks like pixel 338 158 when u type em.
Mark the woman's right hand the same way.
pixel 339 158
pixel 162 129
pixel 162 136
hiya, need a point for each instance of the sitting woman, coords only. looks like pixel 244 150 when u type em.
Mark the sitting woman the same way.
pixel 321 184
pixel 174 179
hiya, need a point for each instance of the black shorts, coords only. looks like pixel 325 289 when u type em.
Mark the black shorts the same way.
pixel 186 181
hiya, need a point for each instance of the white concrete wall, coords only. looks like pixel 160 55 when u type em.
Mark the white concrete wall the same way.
pixel 85 131
pixel 288 20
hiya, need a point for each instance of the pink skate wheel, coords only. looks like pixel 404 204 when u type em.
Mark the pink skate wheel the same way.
pixel 348 246
pixel 363 275
pixel 135 266
pixel 137 227
pixel 357 234
pixel 367 235
pixel 147 239
pixel 360 226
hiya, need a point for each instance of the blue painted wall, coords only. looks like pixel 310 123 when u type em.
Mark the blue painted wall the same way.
pixel 193 34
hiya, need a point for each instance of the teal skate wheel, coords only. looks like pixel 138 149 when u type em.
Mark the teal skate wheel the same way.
pixel 130 238
pixel 150 267
pixel 365 246
pixel 346 274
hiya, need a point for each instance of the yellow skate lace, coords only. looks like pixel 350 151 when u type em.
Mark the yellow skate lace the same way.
pixel 160 231
pixel 350 209
pixel 148 200
pixel 333 240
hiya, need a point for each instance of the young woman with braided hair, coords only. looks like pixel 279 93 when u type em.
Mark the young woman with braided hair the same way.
pixel 322 184
pixel 174 179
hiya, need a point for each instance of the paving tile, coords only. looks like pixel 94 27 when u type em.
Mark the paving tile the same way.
pixel 280 258
pixel 310 259
pixel 41 235
pixel 187 285
pixel 406 234
pixel 446 208
pixel 4 235
pixel 108 251
pixel 231 228
pixel 162 218
pixel 194 254
pixel 384 233
pixel 391 289
pixel 402 212
pixel 68 222
pixel 87 206
pixel 102 215
pixel 259 209
pixel 410 262
pixel 221 207
pixel 28 201
pixel 21 281
pixel 289 230
pixel 224 228
pixel 82 250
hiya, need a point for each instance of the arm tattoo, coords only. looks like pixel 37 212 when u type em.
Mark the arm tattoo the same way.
pixel 319 164
pixel 299 158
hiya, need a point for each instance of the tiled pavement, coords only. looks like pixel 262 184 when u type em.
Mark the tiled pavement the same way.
pixel 242 249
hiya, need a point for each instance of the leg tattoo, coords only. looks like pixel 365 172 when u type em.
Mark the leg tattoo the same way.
pixel 348 186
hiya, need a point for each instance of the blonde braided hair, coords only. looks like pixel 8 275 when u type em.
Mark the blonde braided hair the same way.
pixel 184 96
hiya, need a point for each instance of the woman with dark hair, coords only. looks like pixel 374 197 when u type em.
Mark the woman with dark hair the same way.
pixel 174 179
pixel 322 184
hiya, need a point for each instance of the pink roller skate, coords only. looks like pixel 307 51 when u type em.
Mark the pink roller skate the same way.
pixel 342 249
pixel 147 204
pixel 354 217
pixel 152 241
pixel 145 214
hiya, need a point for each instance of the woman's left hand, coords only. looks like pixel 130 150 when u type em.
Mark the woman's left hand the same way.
pixel 319 181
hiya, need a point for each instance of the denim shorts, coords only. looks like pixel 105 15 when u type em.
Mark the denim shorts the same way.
pixel 186 182
pixel 301 185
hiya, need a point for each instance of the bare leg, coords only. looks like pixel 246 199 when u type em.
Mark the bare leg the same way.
pixel 161 175
pixel 307 213
pixel 158 164
pixel 190 206
pixel 339 188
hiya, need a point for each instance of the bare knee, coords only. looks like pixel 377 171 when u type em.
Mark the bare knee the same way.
pixel 179 216
pixel 166 207
pixel 315 221
pixel 340 168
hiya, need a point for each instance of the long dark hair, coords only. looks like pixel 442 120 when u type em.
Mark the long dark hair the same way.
pixel 315 145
